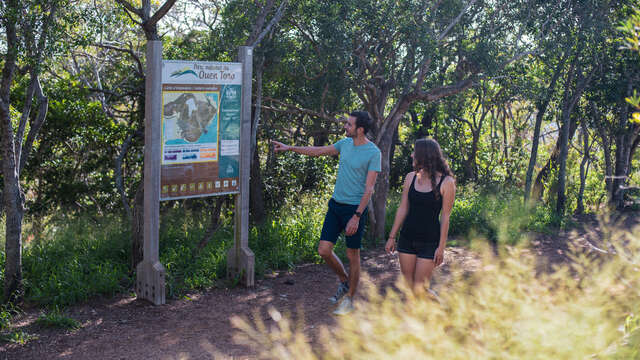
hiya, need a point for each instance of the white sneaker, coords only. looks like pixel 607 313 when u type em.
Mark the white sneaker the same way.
pixel 345 307
pixel 343 288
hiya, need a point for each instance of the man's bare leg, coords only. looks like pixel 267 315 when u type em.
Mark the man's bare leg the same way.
pixel 354 270
pixel 325 249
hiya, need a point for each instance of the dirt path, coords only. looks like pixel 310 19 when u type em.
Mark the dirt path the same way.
pixel 199 327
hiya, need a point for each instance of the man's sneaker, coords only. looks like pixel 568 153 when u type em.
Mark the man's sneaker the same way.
pixel 343 288
pixel 345 307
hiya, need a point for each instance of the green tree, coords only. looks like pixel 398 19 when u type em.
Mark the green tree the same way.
pixel 393 55
pixel 34 32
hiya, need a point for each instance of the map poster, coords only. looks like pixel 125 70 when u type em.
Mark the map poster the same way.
pixel 200 129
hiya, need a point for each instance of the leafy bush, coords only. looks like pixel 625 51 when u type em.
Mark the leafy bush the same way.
pixel 75 261
pixel 56 319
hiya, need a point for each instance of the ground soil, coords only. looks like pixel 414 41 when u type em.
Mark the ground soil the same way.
pixel 199 327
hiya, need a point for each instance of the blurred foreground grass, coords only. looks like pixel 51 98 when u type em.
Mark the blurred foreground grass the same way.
pixel 587 308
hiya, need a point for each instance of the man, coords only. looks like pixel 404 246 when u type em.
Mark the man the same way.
pixel 357 172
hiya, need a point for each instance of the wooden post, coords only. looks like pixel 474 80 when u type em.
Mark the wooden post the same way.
pixel 240 259
pixel 150 281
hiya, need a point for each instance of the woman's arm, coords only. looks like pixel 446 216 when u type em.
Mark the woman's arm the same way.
pixel 401 213
pixel 448 192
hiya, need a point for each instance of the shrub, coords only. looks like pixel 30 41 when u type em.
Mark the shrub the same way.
pixel 56 319
pixel 75 261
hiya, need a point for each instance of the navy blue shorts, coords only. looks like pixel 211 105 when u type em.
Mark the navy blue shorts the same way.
pixel 336 220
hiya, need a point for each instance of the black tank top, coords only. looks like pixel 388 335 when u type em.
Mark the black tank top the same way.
pixel 423 219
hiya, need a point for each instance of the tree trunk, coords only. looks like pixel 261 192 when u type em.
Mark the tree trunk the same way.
pixel 568 106
pixel 470 163
pixel 634 145
pixel 505 137
pixel 397 178
pixel 623 150
pixel 213 226
pixel 14 213
pixel 538 185
pixel 606 149
pixel 564 151
pixel 624 140
pixel 379 197
pixel 542 108
pixel 256 197
pixel 583 167
pixel 137 227
pixel 119 178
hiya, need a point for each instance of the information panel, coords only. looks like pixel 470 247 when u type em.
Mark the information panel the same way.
pixel 200 128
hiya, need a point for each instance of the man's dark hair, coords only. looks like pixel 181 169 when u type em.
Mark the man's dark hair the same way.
pixel 363 120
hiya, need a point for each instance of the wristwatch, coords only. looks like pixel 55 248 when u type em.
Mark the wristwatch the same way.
pixel 358 214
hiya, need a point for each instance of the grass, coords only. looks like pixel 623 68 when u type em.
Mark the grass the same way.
pixel 56 319
pixel 74 260
pixel 18 337
pixel 505 310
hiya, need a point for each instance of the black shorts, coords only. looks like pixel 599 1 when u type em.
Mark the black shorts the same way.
pixel 421 248
pixel 338 215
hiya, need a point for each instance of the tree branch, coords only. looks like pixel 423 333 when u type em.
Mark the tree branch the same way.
pixel 34 129
pixel 135 57
pixel 276 18
pixel 443 91
pixel 127 5
pixel 164 9
pixel 444 33
pixel 292 109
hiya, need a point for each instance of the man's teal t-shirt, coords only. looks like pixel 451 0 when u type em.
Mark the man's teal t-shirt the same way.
pixel 355 163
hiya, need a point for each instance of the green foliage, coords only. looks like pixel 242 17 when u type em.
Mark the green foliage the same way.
pixel 188 268
pixel 7 312
pixel 76 260
pixel 497 214
pixel 74 154
pixel 18 337
pixel 630 348
pixel 56 319
pixel 631 29
pixel 290 236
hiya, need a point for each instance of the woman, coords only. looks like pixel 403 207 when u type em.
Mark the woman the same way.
pixel 427 198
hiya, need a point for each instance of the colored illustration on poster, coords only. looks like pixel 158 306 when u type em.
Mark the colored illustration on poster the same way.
pixel 189 127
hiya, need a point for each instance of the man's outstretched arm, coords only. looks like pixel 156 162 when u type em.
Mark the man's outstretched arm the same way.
pixel 306 150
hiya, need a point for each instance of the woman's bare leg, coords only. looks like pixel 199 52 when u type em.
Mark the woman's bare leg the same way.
pixel 407 267
pixel 422 275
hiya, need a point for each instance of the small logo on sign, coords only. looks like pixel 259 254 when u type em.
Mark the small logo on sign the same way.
pixel 231 94
pixel 184 71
